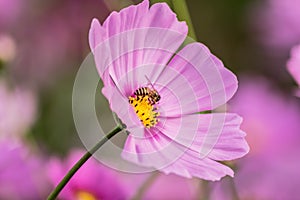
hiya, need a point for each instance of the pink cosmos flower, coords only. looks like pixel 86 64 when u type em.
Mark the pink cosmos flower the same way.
pixel 21 173
pixel 17 111
pixel 134 51
pixel 93 181
pixel 293 65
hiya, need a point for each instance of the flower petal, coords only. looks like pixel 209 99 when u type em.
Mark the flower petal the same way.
pixel 140 16
pixel 170 157
pixel 231 144
pixel 190 146
pixel 135 17
pixel 197 80
pixel 217 136
pixel 120 105
pixel 135 37
pixel 96 34
pixel 190 165
pixel 153 149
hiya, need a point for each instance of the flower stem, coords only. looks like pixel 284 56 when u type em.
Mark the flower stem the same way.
pixel 205 190
pixel 234 192
pixel 146 185
pixel 80 162
pixel 182 11
pixel 169 2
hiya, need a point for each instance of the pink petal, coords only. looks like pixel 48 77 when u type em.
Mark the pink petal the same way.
pixel 217 136
pixel 127 19
pixel 140 16
pixel 293 65
pixel 231 144
pixel 189 146
pixel 134 38
pixel 124 60
pixel 138 68
pixel 152 149
pixel 195 80
pixel 190 165
pixel 96 34
pixel 170 157
pixel 124 111
pixel 128 16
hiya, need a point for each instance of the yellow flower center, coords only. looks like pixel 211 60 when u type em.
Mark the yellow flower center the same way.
pixel 144 110
pixel 83 195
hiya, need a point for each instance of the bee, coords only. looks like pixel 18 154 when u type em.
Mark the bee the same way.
pixel 153 95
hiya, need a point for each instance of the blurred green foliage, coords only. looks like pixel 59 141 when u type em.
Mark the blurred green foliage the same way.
pixel 55 127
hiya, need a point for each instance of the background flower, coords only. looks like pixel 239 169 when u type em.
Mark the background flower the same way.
pixel 270 118
pixel 51 39
pixel 93 180
pixel 17 111
pixel 7 48
pixel 269 171
pixel 22 174
pixel 274 29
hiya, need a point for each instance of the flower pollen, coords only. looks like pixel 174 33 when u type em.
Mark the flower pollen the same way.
pixel 144 110
pixel 83 195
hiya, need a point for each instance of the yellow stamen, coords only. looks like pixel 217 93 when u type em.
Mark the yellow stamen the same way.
pixel 144 110
pixel 83 195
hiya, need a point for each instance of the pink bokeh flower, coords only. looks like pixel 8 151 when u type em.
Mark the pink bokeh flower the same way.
pixel 17 111
pixel 92 181
pixel 270 170
pixel 21 173
pixel 293 65
pixel 7 48
pixel 278 21
pixel 39 61
pixel 10 11
pixel 270 119
pixel 133 52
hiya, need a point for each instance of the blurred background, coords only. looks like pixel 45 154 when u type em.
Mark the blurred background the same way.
pixel 42 45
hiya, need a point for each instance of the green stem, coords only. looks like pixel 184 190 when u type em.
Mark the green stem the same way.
pixel 205 190
pixel 234 192
pixel 117 5
pixel 79 163
pixel 143 189
pixel 169 2
pixel 181 9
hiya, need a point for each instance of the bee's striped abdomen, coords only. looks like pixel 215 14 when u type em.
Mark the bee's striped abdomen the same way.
pixel 142 91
